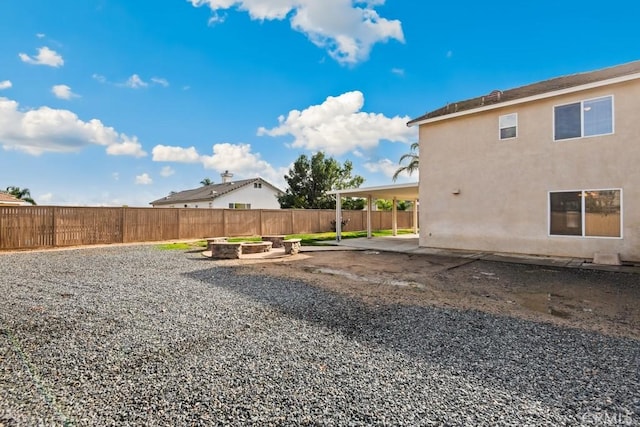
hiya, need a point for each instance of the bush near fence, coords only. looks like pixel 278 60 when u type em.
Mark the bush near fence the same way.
pixel 31 227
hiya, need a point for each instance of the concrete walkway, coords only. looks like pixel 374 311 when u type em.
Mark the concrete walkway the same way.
pixel 408 243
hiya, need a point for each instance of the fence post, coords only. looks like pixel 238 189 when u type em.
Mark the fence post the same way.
pixel 122 224
pixel 224 222
pixel 260 228
pixel 179 219
pixel 293 229
pixel 54 226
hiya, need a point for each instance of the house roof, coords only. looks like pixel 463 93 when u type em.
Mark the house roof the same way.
pixel 8 199
pixel 498 97
pixel 208 192
pixel 408 191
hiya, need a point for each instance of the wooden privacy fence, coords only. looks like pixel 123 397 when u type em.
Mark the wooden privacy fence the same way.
pixel 29 227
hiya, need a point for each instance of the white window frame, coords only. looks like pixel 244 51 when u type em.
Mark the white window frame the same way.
pixel 581 102
pixel 234 206
pixel 583 214
pixel 500 127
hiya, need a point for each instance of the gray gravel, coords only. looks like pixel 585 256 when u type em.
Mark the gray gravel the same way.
pixel 139 336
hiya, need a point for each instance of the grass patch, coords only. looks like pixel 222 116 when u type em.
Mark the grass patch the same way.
pixel 323 238
pixel 200 244
pixel 245 239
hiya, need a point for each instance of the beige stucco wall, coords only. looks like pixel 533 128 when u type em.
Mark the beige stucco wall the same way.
pixel 502 205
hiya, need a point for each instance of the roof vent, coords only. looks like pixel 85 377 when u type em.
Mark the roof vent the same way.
pixel 494 96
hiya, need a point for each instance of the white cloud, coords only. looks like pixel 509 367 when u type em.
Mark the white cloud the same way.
pixel 337 126
pixel 347 29
pixel 167 171
pixel 388 168
pixel 135 82
pixel 144 179
pixel 129 146
pixel 45 56
pixel 45 129
pixel 99 78
pixel 237 158
pixel 5 84
pixel 160 81
pixel 398 71
pixel 44 199
pixel 40 35
pixel 164 153
pixel 115 176
pixel 63 92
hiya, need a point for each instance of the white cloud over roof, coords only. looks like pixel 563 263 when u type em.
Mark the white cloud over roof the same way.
pixel 144 179
pixel 45 56
pixel 233 157
pixel 347 29
pixel 45 129
pixel 165 153
pixel 338 126
pixel 388 168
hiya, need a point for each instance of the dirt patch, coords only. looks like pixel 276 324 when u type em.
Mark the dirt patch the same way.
pixel 605 302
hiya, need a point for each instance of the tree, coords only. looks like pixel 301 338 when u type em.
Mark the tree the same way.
pixel 412 157
pixel 310 179
pixel 206 181
pixel 21 193
pixel 387 205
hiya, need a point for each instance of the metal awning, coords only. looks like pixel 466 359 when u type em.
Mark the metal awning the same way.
pixel 388 192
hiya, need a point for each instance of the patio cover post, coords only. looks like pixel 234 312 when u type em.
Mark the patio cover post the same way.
pixel 369 202
pixel 338 217
pixel 394 217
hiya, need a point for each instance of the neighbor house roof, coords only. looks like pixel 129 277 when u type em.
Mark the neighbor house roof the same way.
pixel 8 199
pixel 208 192
pixel 498 98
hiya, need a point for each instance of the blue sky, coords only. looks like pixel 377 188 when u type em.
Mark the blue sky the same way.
pixel 119 102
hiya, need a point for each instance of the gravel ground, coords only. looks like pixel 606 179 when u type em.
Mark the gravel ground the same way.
pixel 139 336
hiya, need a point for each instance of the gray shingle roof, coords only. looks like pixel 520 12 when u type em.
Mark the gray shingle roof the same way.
pixel 207 192
pixel 551 85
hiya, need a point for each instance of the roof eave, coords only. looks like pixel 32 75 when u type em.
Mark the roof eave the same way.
pixel 537 97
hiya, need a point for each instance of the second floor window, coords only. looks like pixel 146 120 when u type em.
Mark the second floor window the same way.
pixel 585 118
pixel 508 126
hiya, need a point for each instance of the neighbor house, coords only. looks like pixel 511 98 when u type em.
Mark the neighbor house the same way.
pixel 7 199
pixel 254 193
pixel 551 168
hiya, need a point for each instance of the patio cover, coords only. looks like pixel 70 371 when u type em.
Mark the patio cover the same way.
pixel 389 192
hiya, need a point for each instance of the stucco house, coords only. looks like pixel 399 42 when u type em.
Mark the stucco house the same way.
pixel 254 193
pixel 7 199
pixel 551 168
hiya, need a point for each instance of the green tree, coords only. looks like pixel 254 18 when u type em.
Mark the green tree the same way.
pixel 387 205
pixel 310 179
pixel 206 181
pixel 21 193
pixel 412 158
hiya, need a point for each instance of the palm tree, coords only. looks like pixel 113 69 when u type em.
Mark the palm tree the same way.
pixel 206 181
pixel 413 158
pixel 22 194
